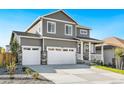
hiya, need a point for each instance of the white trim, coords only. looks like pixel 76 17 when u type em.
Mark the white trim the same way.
pixel 54 26
pixel 71 34
pixel 58 20
pixel 83 33
pixel 89 51
pixel 102 53
pixel 87 40
pixel 82 50
pixel 58 39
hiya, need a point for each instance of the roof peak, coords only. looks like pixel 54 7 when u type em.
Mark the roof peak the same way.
pixel 113 37
pixel 115 41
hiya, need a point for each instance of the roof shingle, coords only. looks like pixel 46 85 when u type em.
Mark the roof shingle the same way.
pixel 26 34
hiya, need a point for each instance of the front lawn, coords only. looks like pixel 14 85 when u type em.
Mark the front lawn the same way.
pixel 111 69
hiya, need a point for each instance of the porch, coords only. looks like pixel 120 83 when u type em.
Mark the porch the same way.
pixel 86 51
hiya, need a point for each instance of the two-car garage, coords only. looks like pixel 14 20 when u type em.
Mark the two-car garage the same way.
pixel 31 55
pixel 56 51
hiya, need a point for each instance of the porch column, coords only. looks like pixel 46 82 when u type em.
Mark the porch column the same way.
pixel 89 51
pixel 102 53
pixel 82 50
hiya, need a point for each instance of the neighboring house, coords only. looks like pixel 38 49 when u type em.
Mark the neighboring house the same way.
pixel 8 48
pixel 110 44
pixel 56 38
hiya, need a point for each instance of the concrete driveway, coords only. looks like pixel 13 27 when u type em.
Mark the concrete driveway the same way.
pixel 78 74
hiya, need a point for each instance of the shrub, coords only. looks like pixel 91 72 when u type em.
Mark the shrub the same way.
pixel 97 62
pixel 35 75
pixel 28 71
pixel 11 69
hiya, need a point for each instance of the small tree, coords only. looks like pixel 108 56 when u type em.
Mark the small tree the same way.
pixel 118 53
pixel 11 69
pixel 14 46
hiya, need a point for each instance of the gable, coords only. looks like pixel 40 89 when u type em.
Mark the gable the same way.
pixel 60 15
pixel 114 41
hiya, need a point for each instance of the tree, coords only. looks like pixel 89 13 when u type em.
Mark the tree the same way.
pixel 2 50
pixel 14 46
pixel 118 54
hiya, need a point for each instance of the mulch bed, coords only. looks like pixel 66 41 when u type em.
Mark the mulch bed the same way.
pixel 21 78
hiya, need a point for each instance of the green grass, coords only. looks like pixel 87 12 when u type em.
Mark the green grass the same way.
pixel 111 69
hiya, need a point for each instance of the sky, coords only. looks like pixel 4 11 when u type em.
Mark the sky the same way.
pixel 104 23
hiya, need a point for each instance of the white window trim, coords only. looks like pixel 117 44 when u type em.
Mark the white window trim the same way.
pixel 55 27
pixel 83 33
pixel 71 30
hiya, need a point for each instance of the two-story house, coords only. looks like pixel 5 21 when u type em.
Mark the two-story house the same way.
pixel 56 38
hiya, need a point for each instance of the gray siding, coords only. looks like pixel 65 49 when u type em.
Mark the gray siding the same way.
pixel 80 35
pixel 108 55
pixel 30 42
pixel 60 16
pixel 60 30
pixel 59 43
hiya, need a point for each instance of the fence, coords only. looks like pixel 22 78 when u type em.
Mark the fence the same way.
pixel 6 58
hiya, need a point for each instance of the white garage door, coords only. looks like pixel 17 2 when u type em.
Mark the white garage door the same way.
pixel 31 55
pixel 57 55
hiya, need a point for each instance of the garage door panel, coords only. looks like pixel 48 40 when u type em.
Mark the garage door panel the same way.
pixel 31 55
pixel 64 56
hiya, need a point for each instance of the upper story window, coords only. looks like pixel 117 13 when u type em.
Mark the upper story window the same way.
pixel 68 29
pixel 83 32
pixel 51 27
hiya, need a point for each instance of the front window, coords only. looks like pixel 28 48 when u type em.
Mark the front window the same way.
pixel 83 32
pixel 51 27
pixel 68 29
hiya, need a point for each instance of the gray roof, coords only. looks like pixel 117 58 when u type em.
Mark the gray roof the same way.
pixel 80 26
pixel 105 47
pixel 88 38
pixel 36 35
pixel 25 34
